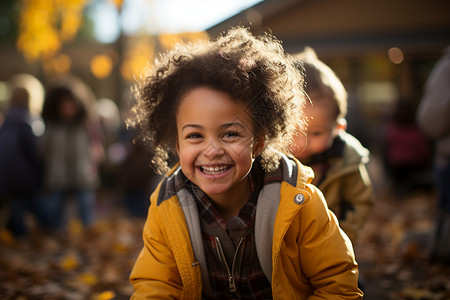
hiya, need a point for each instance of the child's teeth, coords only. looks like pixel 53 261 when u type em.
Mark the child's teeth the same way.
pixel 214 169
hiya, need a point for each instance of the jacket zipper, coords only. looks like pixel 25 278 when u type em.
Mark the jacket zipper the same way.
pixel 231 282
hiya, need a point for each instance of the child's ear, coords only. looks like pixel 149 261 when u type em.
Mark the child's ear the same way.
pixel 258 146
pixel 342 124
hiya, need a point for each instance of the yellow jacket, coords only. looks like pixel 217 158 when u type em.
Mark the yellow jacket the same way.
pixel 348 188
pixel 299 244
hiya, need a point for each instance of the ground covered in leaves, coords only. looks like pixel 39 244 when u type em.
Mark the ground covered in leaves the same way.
pixel 95 264
pixel 393 249
pixel 77 264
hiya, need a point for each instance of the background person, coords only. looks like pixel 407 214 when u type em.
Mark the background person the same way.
pixel 70 168
pixel 433 117
pixel 338 159
pixel 20 165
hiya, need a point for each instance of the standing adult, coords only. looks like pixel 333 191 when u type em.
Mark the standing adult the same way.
pixel 433 117
pixel 19 164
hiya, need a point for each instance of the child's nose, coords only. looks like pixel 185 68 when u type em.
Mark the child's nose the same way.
pixel 213 150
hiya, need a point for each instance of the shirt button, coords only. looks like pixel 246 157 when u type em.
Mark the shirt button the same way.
pixel 299 199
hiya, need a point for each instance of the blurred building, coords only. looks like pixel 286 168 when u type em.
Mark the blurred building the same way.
pixel 382 50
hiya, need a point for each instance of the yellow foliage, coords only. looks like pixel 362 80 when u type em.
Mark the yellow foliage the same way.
pixel 45 25
pixel 137 58
pixel 69 26
pixel 121 248
pixel 88 278
pixel 101 65
pixel 60 64
pixel 69 262
pixel 107 295
pixel 117 3
pixel 168 41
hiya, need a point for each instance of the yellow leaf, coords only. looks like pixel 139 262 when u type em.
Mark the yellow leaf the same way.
pixel 107 295
pixel 44 25
pixel 6 237
pixel 69 262
pixel 75 227
pixel 88 278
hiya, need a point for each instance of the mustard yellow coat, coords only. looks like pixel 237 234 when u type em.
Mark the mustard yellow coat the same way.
pixel 348 181
pixel 301 249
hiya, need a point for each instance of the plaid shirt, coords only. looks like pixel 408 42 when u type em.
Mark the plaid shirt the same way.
pixel 235 240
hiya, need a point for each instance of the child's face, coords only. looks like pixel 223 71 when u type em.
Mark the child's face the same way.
pixel 322 129
pixel 215 142
pixel 68 109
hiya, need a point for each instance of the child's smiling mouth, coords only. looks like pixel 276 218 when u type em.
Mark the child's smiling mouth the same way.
pixel 214 170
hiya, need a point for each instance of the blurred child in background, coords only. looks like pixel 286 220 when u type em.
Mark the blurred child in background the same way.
pixel 70 168
pixel 407 151
pixel 337 158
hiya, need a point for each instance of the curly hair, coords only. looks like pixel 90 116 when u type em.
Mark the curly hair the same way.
pixel 254 71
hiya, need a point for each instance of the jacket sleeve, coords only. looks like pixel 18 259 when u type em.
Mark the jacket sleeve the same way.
pixel 358 193
pixel 326 253
pixel 155 274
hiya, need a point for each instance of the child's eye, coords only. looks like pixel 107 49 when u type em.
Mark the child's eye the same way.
pixel 231 134
pixel 193 136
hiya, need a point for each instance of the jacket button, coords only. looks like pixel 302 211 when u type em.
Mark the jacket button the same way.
pixel 299 199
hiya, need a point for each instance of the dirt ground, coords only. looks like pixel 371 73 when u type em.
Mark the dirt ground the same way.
pixel 78 264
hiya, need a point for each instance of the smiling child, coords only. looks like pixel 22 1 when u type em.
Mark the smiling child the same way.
pixel 237 217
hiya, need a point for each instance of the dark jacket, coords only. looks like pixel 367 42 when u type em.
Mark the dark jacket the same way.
pixel 19 161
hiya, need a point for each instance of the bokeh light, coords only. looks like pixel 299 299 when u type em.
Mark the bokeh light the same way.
pixel 3 94
pixel 101 65
pixel 137 56
pixel 59 65
pixel 396 55
pixel 44 26
pixel 169 40
pixel 34 87
pixel 106 21
pixel 110 115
